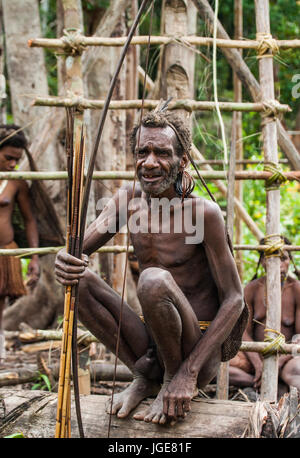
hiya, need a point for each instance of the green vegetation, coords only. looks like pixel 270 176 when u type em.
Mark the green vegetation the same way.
pixel 42 383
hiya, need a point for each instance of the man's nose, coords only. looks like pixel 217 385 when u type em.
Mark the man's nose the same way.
pixel 12 164
pixel 150 161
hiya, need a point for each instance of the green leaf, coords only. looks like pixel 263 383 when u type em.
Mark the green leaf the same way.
pixel 47 381
pixel 37 386
pixel 15 436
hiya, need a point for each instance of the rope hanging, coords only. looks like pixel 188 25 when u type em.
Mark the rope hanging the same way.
pixel 276 343
pixel 277 179
pixel 265 43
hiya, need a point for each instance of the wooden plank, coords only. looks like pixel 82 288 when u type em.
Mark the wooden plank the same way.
pixel 33 413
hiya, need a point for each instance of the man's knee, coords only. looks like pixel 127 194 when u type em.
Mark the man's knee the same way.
pixel 153 281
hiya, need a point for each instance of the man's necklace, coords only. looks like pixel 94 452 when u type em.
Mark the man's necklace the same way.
pixel 3 186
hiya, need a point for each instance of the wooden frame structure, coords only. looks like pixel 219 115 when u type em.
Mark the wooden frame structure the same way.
pixel 75 43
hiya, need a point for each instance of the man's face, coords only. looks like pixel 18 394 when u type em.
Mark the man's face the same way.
pixel 156 159
pixel 284 264
pixel 9 158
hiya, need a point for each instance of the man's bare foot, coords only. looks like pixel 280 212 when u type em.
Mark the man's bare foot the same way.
pixel 125 402
pixel 155 412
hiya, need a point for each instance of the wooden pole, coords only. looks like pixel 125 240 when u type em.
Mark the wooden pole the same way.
pixel 207 173
pixel 223 373
pixel 180 104
pixel 23 252
pixel 238 92
pixel 273 286
pixel 60 43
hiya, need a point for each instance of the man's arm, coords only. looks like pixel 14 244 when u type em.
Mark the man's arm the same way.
pixel 69 269
pixel 224 271
pixel 32 235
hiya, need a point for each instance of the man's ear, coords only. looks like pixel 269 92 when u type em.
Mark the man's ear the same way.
pixel 184 162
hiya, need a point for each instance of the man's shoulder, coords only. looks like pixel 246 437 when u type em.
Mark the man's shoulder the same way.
pixel 131 189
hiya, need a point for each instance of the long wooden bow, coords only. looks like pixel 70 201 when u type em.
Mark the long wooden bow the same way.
pixel 78 199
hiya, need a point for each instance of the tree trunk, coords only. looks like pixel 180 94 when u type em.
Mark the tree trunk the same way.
pixel 177 63
pixel 21 21
pixel 3 95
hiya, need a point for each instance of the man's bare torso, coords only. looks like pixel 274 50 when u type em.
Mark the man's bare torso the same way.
pixel 187 263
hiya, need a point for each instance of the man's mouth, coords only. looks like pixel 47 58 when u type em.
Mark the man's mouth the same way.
pixel 150 177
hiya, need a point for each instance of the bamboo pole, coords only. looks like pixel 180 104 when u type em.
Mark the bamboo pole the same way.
pixel 273 285
pixel 238 161
pixel 81 40
pixel 23 252
pixel 129 175
pixel 186 104
pixel 39 335
pixel 75 155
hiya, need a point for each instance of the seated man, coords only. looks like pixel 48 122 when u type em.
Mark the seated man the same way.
pixel 13 142
pixel 182 282
pixel 246 367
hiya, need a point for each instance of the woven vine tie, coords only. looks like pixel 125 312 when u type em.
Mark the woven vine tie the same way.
pixel 275 244
pixel 265 43
pixel 271 108
pixel 276 343
pixel 72 40
pixel 276 179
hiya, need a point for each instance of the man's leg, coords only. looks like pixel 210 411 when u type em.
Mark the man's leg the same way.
pixel 99 311
pixel 174 327
pixel 2 338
